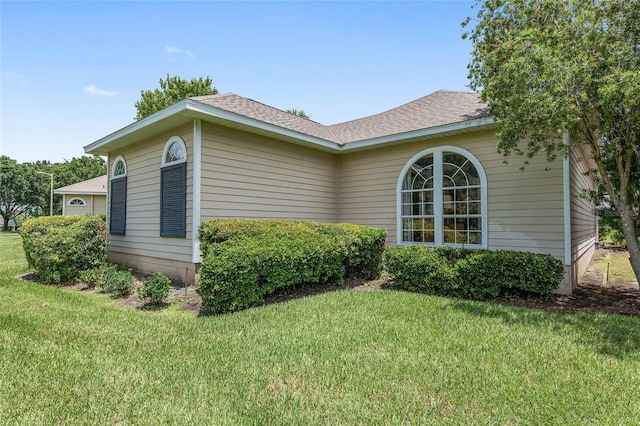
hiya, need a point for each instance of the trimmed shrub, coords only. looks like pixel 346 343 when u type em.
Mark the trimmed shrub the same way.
pixel 96 276
pixel 477 274
pixel 421 269
pixel 60 247
pixel 118 282
pixel 155 289
pixel 244 260
pixel 365 249
pixel 489 273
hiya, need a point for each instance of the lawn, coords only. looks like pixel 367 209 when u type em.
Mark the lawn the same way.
pixel 346 357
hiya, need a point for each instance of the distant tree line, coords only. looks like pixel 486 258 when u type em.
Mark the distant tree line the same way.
pixel 26 193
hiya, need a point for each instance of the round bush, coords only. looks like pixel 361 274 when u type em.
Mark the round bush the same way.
pixel 155 289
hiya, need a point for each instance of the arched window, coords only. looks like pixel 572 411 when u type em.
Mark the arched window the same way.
pixel 118 197
pixel 79 202
pixel 173 189
pixel 442 199
pixel 119 168
pixel 175 151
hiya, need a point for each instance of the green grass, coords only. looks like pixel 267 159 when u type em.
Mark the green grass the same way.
pixel 346 357
pixel 619 266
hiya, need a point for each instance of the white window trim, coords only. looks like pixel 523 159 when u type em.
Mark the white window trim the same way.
pixel 171 141
pixel 84 203
pixel 437 195
pixel 113 168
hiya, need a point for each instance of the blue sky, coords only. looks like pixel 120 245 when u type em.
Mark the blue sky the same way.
pixel 72 71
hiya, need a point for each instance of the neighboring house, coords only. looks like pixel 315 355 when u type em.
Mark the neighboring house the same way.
pixel 427 171
pixel 88 197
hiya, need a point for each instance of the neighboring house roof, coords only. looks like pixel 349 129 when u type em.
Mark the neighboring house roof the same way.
pixel 95 186
pixel 437 114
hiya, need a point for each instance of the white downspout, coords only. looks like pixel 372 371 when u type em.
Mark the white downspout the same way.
pixel 566 187
pixel 197 189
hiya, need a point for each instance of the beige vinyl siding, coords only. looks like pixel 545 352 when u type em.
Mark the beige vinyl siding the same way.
pixel 583 219
pixel 250 176
pixel 525 208
pixel 142 239
pixel 99 204
pixel 77 210
pixel 177 270
pixel 95 204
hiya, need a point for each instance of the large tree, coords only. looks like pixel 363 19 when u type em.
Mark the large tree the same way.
pixel 172 90
pixel 299 113
pixel 563 72
pixel 20 189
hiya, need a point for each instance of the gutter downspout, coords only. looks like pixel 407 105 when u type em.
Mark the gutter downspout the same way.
pixel 566 189
pixel 197 189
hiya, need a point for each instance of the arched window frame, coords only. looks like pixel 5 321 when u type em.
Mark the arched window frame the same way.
pixel 438 201
pixel 77 202
pixel 173 190
pixel 118 197
pixel 174 140
pixel 115 172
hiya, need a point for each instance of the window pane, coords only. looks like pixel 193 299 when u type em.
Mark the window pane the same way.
pixel 175 153
pixel 420 175
pixel 119 168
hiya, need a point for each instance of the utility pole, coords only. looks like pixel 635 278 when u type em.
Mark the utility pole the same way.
pixel 50 195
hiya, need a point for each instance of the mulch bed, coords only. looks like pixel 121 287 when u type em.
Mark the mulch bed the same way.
pixel 593 294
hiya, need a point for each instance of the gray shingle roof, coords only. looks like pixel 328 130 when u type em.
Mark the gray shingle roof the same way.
pixel 268 114
pixel 91 186
pixel 437 109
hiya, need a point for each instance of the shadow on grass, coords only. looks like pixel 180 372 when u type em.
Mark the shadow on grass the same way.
pixel 613 335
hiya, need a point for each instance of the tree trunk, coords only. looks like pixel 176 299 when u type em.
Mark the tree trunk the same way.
pixel 633 246
pixel 5 223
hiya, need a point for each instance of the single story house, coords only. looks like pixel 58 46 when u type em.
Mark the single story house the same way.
pixel 427 171
pixel 88 197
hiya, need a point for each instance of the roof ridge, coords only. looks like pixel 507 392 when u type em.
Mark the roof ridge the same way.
pixel 434 109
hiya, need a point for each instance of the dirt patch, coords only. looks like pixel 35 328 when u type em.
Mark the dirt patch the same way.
pixel 595 293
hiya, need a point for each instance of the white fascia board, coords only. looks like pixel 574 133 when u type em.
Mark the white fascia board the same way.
pixel 79 192
pixel 138 125
pixel 257 124
pixel 431 131
pixel 207 110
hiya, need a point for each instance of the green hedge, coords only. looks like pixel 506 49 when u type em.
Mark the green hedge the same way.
pixel 244 260
pixel 60 247
pixel 476 274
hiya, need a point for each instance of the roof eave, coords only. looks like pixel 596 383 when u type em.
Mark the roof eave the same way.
pixel 187 110
pixel 468 126
pixel 76 192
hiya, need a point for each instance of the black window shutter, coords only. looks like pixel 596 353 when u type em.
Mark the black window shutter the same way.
pixel 173 201
pixel 118 209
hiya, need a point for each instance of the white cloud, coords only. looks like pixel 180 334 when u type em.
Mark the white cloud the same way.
pixel 93 90
pixel 171 50
pixel 16 77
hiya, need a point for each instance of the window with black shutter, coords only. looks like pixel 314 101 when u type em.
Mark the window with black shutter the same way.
pixel 173 189
pixel 118 210
pixel 173 201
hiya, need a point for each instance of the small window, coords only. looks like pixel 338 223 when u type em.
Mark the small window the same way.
pixel 173 189
pixel 119 168
pixel 79 202
pixel 118 197
pixel 175 152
